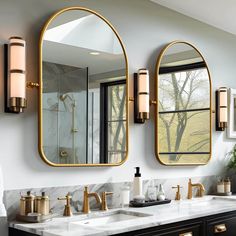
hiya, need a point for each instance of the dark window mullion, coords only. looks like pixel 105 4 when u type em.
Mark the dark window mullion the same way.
pixel 187 110
pixel 119 151
pixel 181 153
pixel 116 121
pixel 182 68
pixel 104 119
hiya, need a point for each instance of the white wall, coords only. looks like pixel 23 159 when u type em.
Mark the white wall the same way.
pixel 144 27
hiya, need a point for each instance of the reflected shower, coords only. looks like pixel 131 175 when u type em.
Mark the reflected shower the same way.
pixel 71 107
pixel 64 97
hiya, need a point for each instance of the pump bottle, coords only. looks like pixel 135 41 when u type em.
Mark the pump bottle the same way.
pixel 137 183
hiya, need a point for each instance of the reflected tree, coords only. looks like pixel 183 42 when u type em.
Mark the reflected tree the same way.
pixel 179 93
pixel 118 127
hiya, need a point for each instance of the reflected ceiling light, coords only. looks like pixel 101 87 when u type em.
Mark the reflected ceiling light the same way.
pixel 221 109
pixel 15 75
pixel 94 53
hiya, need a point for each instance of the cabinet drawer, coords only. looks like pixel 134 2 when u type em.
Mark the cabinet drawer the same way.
pixel 185 231
pixel 222 227
pixel 175 230
pixel 17 232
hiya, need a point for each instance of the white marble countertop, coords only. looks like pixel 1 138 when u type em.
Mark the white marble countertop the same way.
pixel 157 215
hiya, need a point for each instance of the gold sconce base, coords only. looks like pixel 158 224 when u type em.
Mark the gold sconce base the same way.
pixel 17 104
pixel 143 115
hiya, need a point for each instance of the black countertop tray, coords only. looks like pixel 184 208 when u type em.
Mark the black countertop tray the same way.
pixel 148 203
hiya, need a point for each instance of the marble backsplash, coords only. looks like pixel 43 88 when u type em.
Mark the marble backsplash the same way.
pixel 11 197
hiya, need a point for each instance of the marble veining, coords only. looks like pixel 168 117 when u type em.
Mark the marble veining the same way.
pixel 11 197
pixel 155 216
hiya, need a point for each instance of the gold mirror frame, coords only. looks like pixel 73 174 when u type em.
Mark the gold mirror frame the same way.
pixel 159 59
pixel 40 112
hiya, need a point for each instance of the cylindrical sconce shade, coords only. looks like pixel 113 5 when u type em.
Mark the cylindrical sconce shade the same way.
pixel 17 77
pixel 17 88
pixel 222 108
pixel 143 94
pixel 17 54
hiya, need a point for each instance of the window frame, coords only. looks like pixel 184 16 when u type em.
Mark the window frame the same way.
pixel 104 119
pixel 183 68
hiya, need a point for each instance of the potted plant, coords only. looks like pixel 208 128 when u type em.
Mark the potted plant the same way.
pixel 232 160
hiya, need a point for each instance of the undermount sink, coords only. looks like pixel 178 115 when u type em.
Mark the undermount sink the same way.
pixel 112 217
pixel 206 203
pixel 211 200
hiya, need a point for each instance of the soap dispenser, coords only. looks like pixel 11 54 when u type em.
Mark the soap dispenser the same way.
pixel 137 183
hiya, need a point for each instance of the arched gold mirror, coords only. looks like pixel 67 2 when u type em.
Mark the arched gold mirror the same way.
pixel 83 110
pixel 184 108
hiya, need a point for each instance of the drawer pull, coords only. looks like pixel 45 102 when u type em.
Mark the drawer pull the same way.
pixel 187 234
pixel 220 229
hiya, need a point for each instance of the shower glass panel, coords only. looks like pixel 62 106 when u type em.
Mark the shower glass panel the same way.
pixel 65 113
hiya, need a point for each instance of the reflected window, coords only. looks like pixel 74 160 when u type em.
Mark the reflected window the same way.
pixel 113 122
pixel 184 112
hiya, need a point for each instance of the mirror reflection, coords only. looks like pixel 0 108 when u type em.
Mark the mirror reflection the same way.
pixel 84 79
pixel 184 107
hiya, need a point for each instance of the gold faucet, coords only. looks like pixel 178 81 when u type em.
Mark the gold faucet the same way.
pixel 200 187
pixel 104 200
pixel 177 195
pixel 87 195
pixel 67 210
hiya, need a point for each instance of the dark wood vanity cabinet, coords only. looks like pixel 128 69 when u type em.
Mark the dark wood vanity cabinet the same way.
pixel 193 228
pixel 17 232
pixel 221 224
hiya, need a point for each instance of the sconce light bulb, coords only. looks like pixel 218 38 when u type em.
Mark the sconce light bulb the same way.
pixel 143 93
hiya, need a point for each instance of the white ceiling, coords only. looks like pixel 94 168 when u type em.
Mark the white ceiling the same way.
pixel 218 13
pixel 79 57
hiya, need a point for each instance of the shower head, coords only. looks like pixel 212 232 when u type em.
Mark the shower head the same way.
pixel 64 98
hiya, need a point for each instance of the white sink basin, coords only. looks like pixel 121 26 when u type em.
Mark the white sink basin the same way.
pixel 210 200
pixel 207 203
pixel 112 217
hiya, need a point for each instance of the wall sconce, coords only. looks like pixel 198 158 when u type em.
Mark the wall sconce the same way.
pixel 141 96
pixel 15 75
pixel 221 109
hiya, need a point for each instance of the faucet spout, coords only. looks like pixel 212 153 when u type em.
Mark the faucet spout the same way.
pixel 200 187
pixel 87 195
pixel 96 196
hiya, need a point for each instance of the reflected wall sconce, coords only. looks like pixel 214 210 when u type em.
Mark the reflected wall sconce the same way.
pixel 15 76
pixel 221 109
pixel 141 97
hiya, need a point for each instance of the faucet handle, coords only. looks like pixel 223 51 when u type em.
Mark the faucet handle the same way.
pixel 86 189
pixel 178 195
pixel 104 200
pixel 107 193
pixel 67 210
